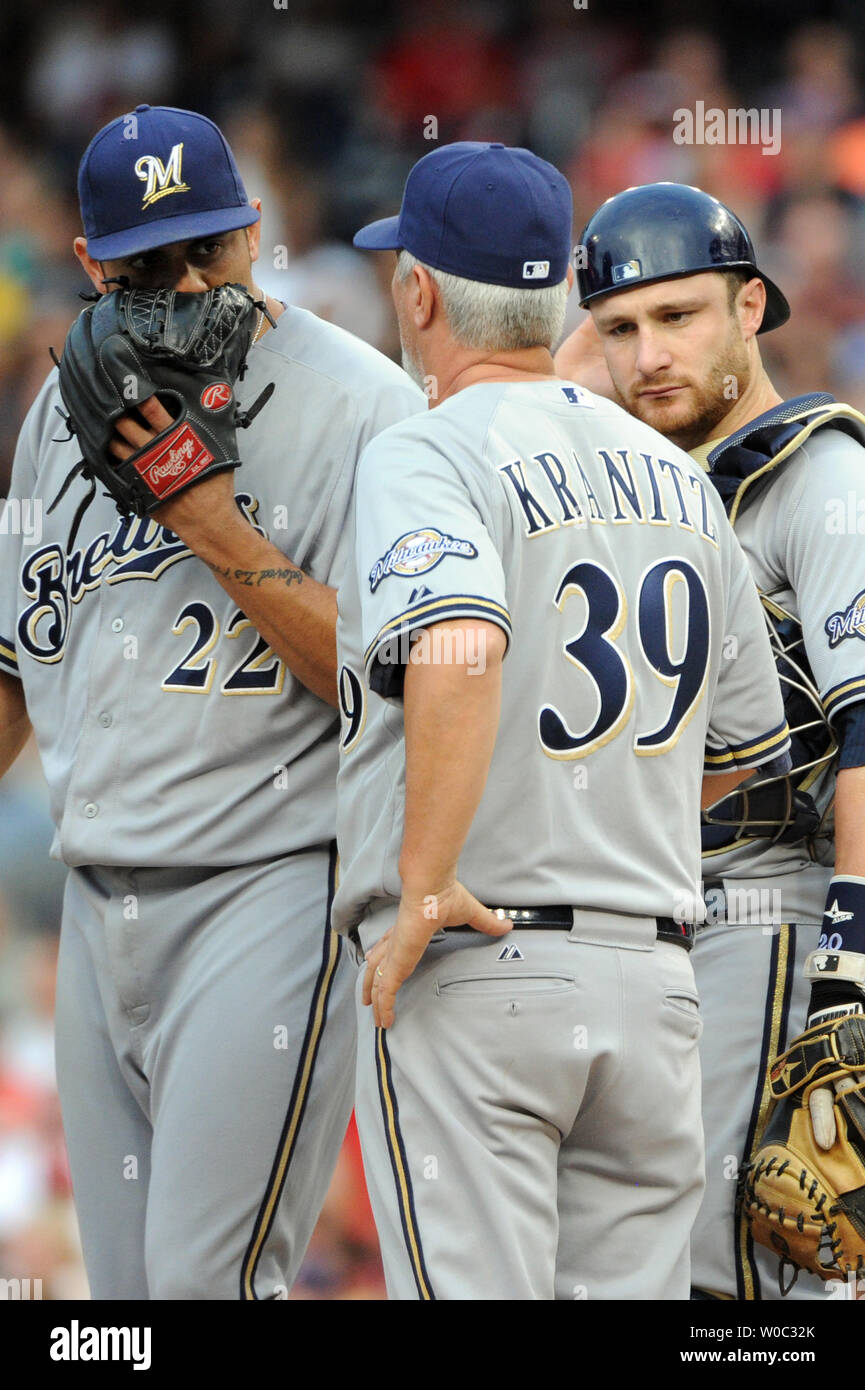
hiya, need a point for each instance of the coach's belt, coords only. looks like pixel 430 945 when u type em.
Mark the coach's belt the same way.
pixel 562 919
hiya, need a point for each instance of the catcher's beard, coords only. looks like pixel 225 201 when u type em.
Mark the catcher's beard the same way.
pixel 711 396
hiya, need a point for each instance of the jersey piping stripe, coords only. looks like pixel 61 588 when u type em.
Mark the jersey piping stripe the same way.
pixel 831 700
pixel 299 1095
pixel 736 753
pixel 402 1180
pixel 725 849
pixel 464 604
pixel 782 965
pixel 7 654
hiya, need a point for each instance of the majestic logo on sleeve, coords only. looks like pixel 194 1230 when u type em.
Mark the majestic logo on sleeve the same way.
pixel 416 552
pixel 161 179
pixel 850 623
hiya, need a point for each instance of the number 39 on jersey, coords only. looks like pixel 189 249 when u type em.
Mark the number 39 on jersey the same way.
pixel 673 638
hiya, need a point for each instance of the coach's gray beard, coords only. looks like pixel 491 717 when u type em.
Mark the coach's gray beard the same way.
pixel 412 366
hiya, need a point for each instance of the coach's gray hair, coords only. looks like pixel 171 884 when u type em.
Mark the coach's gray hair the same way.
pixel 495 318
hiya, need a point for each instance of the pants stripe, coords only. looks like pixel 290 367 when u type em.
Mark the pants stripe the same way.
pixel 316 1019
pixel 402 1180
pixel 782 965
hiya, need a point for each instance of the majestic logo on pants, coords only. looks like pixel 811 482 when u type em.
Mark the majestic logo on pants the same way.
pixel 510 953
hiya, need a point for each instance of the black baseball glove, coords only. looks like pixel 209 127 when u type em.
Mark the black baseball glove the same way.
pixel 186 349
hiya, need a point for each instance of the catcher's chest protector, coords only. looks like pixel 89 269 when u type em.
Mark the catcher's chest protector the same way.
pixel 778 808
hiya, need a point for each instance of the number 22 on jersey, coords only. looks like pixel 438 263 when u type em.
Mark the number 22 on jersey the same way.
pixel 260 672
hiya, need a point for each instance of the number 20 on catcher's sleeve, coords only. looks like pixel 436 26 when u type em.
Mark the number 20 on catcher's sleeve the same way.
pixel 594 652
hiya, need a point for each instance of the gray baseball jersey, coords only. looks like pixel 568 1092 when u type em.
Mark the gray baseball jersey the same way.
pixel 799 528
pixel 636 643
pixel 145 683
pixel 807 557
pixel 205 1027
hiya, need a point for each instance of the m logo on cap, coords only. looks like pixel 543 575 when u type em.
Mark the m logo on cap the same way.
pixel 536 270
pixel 160 178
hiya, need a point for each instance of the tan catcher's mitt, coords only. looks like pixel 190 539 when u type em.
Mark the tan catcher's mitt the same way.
pixel 803 1201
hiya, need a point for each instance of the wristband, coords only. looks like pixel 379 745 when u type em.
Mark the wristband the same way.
pixel 831 966
pixel 843 925
pixel 837 980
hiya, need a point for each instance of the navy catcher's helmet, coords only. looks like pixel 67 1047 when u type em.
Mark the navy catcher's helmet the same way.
pixel 662 231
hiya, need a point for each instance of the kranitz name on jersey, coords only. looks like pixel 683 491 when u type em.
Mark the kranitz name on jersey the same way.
pixel 637 656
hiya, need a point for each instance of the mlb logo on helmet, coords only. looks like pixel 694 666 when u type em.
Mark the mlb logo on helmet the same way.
pixel 629 270
pixel 174 152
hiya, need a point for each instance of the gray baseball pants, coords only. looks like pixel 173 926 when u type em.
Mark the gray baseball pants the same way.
pixel 755 1001
pixel 205 1058
pixel 531 1127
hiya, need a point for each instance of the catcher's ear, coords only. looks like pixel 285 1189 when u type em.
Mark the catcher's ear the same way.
pixel 92 269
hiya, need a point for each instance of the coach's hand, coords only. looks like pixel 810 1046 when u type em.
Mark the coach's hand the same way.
pixel 394 957
pixel 581 359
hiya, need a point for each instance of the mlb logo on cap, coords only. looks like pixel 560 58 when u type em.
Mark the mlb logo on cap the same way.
pixel 156 176
pixel 484 212
pixel 629 270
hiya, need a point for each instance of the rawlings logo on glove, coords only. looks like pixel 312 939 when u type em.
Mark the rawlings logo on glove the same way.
pixel 186 349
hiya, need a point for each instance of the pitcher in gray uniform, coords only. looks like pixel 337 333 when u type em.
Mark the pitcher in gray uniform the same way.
pixel 179 675
pixel 677 302
pixel 534 636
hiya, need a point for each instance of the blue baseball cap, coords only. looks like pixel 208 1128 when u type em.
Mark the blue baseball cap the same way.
pixel 485 212
pixel 158 175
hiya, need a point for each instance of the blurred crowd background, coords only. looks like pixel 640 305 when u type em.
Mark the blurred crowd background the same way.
pixel 327 104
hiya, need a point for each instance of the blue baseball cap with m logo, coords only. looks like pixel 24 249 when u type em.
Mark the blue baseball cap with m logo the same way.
pixel 155 176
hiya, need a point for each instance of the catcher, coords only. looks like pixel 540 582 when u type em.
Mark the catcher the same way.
pixel 677 302
pixel 177 665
